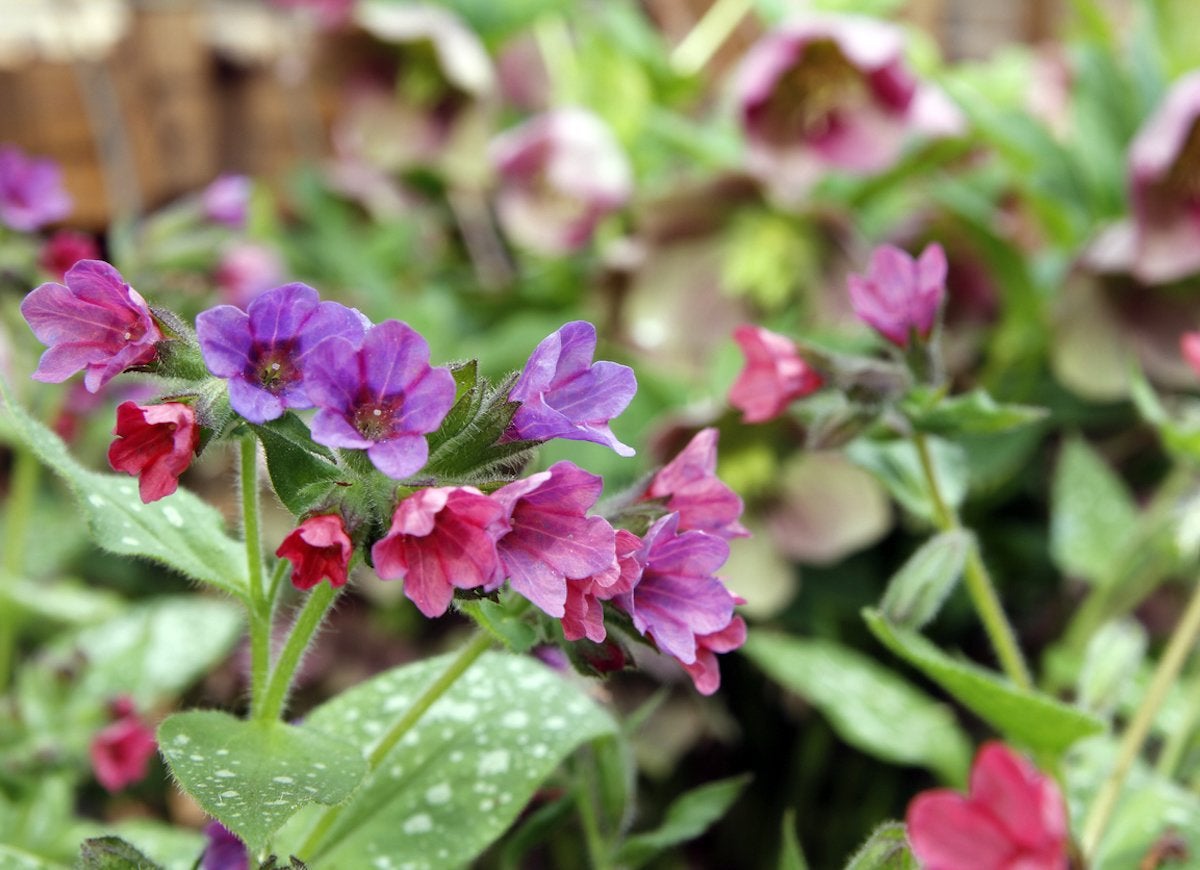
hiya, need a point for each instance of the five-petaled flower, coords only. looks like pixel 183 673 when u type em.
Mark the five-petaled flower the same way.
pixel 775 375
pixel 155 443
pixel 318 548
pixel 121 751
pixel 563 394
pixel 95 323
pixel 379 395
pixel 31 191
pixel 263 351
pixel 900 296
pixel 1012 816
pixel 691 488
pixel 440 539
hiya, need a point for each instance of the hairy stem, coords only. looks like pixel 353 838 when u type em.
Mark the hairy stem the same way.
pixel 280 683
pixel 260 608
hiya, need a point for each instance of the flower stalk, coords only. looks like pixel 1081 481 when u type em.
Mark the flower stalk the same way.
pixel 22 492
pixel 260 608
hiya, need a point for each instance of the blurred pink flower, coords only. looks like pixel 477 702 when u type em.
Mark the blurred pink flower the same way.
pixel 832 92
pixel 1189 346
pixel 31 191
pixel 774 376
pixel 247 269
pixel 560 173
pixel 64 249
pixel 121 751
pixel 226 200
pixel 899 295
pixel 1012 817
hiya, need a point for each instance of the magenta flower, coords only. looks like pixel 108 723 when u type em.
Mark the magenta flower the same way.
pixel 1189 346
pixel 318 548
pixel 441 539
pixel 551 539
pixel 121 752
pixel 560 173
pixel 1013 816
pixel 677 598
pixel 899 295
pixel 31 191
pixel 704 671
pixel 774 376
pixel 247 270
pixel 328 14
pixel 379 395
pixel 224 850
pixel 563 394
pixel 64 249
pixel 96 323
pixel 832 92
pixel 263 352
pixel 227 200
pixel 583 611
pixel 155 443
pixel 691 488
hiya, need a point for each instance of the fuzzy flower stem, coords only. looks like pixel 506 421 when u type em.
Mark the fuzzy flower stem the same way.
pixel 311 616
pixel 706 38
pixel 314 846
pixel 1182 641
pixel 260 608
pixel 22 492
pixel 977 579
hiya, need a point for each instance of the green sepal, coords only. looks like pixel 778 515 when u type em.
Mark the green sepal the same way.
pixel 467 447
pixel 886 849
pixel 112 853
pixel 916 592
pixel 504 620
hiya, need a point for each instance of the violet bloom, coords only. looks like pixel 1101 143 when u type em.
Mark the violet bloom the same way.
pixel 226 200
pixel 832 92
pixel 380 395
pixel 224 851
pixel 775 375
pixel 441 539
pixel 563 394
pixel 677 598
pixel 560 173
pixel 551 538
pixel 691 488
pixel 583 614
pixel 705 671
pixel 900 296
pixel 96 322
pixel 1013 816
pixel 31 192
pixel 263 352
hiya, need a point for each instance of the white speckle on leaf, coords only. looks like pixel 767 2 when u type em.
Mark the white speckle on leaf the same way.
pixel 196 757
pixel 421 823
pixel 487 805
pixel 538 751
pixel 556 723
pixel 492 762
pixel 224 774
pixel 515 719
pixel 130 541
pixel 396 703
pixel 173 516
pixel 222 752
pixel 438 794
pixel 96 500
pixel 229 794
pixel 181 740
pixel 283 780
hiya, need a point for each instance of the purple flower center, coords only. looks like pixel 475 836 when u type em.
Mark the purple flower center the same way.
pixel 274 368
pixel 375 421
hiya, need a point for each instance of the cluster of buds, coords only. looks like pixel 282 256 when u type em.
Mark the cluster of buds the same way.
pixel 415 467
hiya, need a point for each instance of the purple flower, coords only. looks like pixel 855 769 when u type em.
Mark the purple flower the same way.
pixel 31 192
pixel 226 200
pixel 96 323
pixel 441 539
pixel 899 295
pixel 705 672
pixel 560 173
pixel 690 485
pixel 264 351
pixel 563 394
pixel 584 608
pixel 677 598
pixel 551 539
pixel 832 92
pixel 224 851
pixel 379 395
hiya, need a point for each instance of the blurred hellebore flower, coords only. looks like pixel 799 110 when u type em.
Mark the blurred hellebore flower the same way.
pixel 31 192
pixel 560 173
pixel 832 92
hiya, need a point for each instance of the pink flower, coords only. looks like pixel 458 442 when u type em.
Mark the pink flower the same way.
pixel 31 192
pixel 704 671
pixel 246 270
pixel 121 752
pixel 1189 346
pixel 440 539
pixel 560 173
pixel 1013 818
pixel 96 323
pixel 774 376
pixel 155 443
pixel 551 539
pixel 226 200
pixel 64 249
pixel 318 548
pixel 832 92
pixel 690 485
pixel 899 295
pixel 583 614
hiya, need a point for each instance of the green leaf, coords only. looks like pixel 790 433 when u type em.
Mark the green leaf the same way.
pixel 791 856
pixel 973 413
pixel 1036 721
pixel 180 531
pixel 916 592
pixel 64 601
pixel 478 754
pixel 253 776
pixel 1110 665
pixel 898 467
pixel 688 816
pixel 112 853
pixel 886 849
pixel 503 620
pixel 1092 514
pixel 869 706
pixel 301 470
pixel 14 858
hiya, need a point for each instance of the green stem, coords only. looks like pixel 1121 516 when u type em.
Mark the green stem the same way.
pixel 553 38
pixel 19 510
pixel 977 580
pixel 1183 639
pixel 585 797
pixel 260 609
pixel 699 46
pixel 465 657
pixel 311 616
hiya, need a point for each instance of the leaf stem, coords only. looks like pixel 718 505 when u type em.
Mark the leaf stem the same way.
pixel 313 846
pixel 260 609
pixel 21 495
pixel 977 579
pixel 280 683
pixel 706 38
pixel 1183 639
